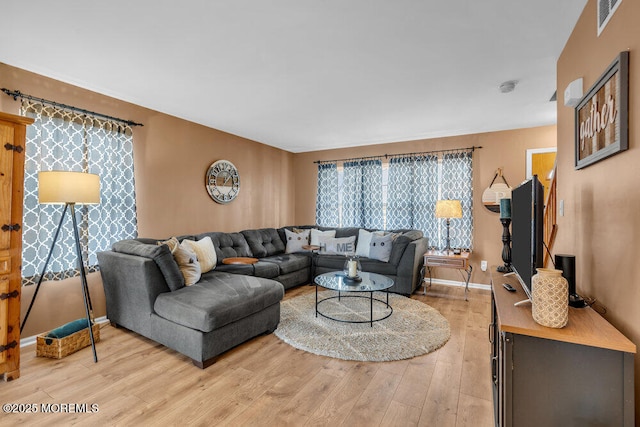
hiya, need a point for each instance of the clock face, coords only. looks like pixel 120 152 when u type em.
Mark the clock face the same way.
pixel 222 181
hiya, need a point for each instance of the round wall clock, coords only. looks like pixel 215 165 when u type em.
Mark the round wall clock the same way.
pixel 222 181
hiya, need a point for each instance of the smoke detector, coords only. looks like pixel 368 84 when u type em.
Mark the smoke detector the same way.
pixel 508 86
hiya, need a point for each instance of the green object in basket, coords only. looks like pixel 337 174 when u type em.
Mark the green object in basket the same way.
pixel 68 329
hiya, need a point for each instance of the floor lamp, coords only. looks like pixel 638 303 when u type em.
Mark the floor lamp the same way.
pixel 448 209
pixel 68 189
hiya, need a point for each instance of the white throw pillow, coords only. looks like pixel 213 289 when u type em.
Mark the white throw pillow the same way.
pixel 295 241
pixel 315 235
pixel 381 247
pixel 205 252
pixel 339 246
pixel 364 241
pixel 188 264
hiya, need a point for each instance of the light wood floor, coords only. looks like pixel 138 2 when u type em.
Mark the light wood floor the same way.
pixel 267 382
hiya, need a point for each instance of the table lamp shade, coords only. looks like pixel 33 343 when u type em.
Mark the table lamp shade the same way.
pixel 60 187
pixel 448 209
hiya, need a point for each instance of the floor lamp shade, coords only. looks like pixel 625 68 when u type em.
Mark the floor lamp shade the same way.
pixel 61 187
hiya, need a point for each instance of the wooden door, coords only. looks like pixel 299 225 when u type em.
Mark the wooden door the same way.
pixel 12 140
pixel 542 164
pixel 6 168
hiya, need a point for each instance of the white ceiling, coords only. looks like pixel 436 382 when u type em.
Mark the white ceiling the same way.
pixel 306 75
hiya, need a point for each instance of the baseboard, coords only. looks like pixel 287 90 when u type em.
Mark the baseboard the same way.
pixel 32 339
pixel 461 284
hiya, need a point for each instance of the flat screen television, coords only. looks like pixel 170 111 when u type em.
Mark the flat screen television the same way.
pixel 527 211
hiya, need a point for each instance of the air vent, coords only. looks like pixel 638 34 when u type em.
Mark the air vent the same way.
pixel 606 8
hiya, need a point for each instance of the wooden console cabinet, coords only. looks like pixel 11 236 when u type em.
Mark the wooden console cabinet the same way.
pixel 12 137
pixel 578 375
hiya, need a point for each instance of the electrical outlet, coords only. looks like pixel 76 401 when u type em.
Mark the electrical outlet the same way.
pixel 483 265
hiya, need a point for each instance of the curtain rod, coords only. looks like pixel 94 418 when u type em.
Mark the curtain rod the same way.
pixel 386 156
pixel 17 94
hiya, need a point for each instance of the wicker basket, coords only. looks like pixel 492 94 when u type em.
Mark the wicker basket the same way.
pixel 57 348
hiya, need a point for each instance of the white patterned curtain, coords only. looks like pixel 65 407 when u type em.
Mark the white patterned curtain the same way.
pixel 457 184
pixel 362 194
pixel 414 183
pixel 62 139
pixel 400 188
pixel 412 192
pixel 327 203
pixel 425 195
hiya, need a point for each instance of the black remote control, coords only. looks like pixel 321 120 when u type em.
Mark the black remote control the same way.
pixel 509 287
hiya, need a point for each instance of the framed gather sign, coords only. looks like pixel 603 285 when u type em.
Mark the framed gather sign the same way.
pixel 602 116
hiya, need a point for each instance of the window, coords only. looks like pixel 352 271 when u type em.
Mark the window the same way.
pixel 61 139
pixel 400 193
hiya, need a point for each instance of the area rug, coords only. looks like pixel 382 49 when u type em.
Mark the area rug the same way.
pixel 413 329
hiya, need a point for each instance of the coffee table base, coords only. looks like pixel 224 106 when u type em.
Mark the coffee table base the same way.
pixel 370 298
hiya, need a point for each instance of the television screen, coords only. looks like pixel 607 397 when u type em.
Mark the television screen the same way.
pixel 527 210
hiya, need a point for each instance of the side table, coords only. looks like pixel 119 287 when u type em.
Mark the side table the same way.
pixel 447 260
pixel 239 260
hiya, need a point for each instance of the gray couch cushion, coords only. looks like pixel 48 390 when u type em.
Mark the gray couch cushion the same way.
pixel 264 242
pixel 148 248
pixel 375 266
pixel 334 262
pixel 217 300
pixel 228 245
pixel 267 270
pixel 288 263
pixel 400 244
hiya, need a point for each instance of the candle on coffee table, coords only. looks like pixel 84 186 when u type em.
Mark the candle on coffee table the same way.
pixel 353 268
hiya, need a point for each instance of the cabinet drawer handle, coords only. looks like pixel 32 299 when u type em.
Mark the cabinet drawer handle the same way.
pixel 11 227
pixel 9 346
pixel 494 370
pixel 5 296
pixel 16 148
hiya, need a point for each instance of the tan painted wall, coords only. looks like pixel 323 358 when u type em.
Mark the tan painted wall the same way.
pixel 602 201
pixel 506 149
pixel 171 158
pixel 278 188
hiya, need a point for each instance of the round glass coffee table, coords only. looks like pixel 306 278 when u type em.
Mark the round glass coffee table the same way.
pixel 371 282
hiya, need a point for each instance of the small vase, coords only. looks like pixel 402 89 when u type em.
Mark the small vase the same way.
pixel 352 267
pixel 550 298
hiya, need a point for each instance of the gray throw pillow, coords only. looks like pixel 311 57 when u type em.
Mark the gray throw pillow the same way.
pixel 159 253
pixel 381 247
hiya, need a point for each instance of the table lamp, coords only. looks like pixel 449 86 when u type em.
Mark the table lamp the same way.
pixel 68 189
pixel 448 209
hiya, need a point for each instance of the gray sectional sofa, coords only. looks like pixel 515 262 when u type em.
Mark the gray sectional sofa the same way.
pixel 145 292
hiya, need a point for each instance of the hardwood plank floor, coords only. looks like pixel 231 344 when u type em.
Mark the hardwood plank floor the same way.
pixel 267 382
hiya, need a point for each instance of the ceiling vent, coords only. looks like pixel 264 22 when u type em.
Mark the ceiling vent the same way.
pixel 606 8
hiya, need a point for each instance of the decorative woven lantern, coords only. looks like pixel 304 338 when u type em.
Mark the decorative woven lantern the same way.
pixel 550 298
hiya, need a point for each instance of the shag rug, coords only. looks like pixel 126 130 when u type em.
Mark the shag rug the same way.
pixel 413 329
